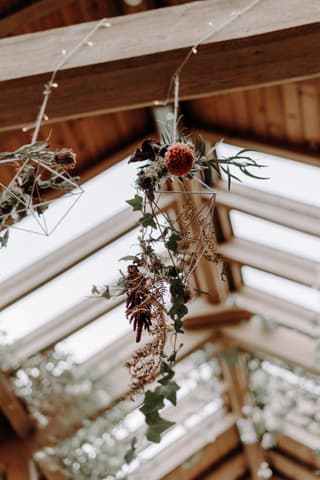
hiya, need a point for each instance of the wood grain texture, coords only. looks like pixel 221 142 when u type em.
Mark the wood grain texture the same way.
pixel 130 64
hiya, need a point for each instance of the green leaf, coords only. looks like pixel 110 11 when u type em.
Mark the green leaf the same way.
pixel 106 293
pixel 177 288
pixel 157 425
pixel 120 287
pixel 129 258
pixel 121 283
pixel 167 374
pixel 147 220
pixel 178 310
pixel 129 456
pixel 169 391
pixel 153 401
pixel 4 239
pixel 178 326
pixel 172 243
pixel 136 203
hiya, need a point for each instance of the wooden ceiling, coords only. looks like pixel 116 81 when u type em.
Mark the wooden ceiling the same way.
pixel 287 114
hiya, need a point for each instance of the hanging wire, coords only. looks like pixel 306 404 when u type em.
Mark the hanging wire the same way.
pixel 51 84
pixel 194 49
pixel 175 110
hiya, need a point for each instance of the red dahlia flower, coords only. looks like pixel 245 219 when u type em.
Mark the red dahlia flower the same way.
pixel 179 159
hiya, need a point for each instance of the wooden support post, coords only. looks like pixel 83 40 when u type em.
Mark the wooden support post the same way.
pixel 13 409
pixel 235 373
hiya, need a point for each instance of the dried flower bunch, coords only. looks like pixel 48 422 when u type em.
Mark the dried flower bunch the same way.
pixel 170 247
pixel 37 171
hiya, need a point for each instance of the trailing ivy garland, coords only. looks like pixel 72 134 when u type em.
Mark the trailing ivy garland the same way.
pixel 151 276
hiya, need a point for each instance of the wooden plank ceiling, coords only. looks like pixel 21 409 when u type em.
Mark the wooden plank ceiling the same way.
pixel 286 114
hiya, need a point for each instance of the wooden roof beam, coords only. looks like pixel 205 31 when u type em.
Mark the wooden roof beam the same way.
pixel 273 208
pixel 277 262
pixel 253 337
pixel 130 64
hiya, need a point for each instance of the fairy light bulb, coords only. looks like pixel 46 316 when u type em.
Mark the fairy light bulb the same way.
pixel 89 43
pixel 194 50
pixel 133 3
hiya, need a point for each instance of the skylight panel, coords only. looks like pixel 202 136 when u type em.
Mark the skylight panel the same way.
pixel 295 180
pixel 97 335
pixel 66 290
pixel 104 196
pixel 280 287
pixel 276 236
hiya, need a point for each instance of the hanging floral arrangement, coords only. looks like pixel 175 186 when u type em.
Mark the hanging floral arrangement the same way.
pixel 37 172
pixel 157 282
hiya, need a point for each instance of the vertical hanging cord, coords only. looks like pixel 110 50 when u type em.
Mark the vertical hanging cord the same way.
pixel 175 108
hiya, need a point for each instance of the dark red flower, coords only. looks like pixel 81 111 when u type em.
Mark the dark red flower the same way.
pixel 138 309
pixel 149 150
pixel 179 159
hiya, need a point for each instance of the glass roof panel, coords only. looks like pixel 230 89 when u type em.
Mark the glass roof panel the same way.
pixel 97 335
pixel 66 290
pixel 295 180
pixel 276 236
pixel 280 287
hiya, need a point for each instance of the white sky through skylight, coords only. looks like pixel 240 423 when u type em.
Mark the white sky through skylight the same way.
pixel 276 236
pixel 287 178
pixel 281 287
pixel 97 335
pixel 67 289
pixel 292 180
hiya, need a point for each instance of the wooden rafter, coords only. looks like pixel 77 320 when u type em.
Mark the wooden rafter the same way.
pixel 118 73
pixel 253 337
pixel 286 265
pixel 274 208
pixel 237 378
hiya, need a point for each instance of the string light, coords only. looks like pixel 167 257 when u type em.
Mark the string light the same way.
pixel 52 84
pixel 214 29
